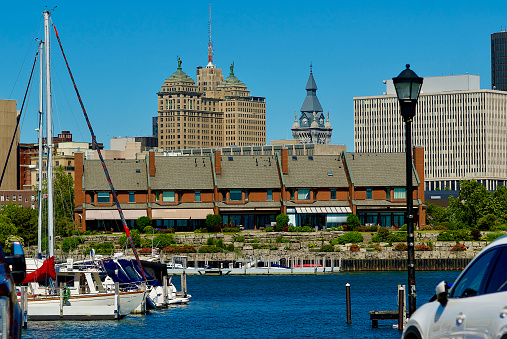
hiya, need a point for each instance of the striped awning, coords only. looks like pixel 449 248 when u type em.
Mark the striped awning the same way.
pixel 323 210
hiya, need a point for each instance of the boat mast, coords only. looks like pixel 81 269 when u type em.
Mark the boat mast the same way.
pixel 41 86
pixel 49 137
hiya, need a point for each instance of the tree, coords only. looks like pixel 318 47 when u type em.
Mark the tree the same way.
pixel 212 220
pixel 473 202
pixel 500 196
pixel 436 215
pixel 352 222
pixel 142 222
pixel 487 222
pixel 7 228
pixel 282 220
pixel 63 201
pixel 24 219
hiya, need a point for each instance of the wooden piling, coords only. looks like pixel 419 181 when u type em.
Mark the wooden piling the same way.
pixel 349 316
pixel 24 305
pixel 61 299
pixel 117 299
pixel 401 308
pixel 164 291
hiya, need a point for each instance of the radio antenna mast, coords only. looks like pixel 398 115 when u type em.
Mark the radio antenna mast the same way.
pixel 210 44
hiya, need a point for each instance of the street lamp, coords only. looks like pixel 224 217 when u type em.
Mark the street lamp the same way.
pixel 408 86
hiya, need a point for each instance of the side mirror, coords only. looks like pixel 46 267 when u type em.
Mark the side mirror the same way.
pixel 442 293
pixel 17 262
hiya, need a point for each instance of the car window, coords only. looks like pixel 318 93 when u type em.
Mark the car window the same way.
pixel 498 280
pixel 473 281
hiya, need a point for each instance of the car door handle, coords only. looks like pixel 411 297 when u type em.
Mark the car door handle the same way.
pixel 460 318
pixel 503 313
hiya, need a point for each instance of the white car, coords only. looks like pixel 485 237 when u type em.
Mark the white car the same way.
pixel 474 307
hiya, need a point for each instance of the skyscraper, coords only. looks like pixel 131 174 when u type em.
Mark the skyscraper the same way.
pixel 312 127
pixel 461 127
pixel 499 61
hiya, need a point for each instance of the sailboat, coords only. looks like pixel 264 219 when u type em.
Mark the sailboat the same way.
pixel 72 293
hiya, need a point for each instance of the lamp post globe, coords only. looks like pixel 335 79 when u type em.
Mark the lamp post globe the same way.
pixel 408 86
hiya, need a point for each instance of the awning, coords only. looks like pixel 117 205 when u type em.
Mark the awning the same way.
pixel 114 215
pixel 181 213
pixel 323 210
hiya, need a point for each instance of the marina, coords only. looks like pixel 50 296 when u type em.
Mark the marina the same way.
pixel 275 306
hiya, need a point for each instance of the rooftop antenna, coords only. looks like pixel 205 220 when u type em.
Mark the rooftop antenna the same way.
pixel 210 44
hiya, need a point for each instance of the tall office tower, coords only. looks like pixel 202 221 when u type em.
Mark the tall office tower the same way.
pixel 312 127
pixel 499 61
pixel 211 112
pixel 461 127
pixel 8 119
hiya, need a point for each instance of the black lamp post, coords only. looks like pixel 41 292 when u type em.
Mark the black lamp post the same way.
pixel 408 85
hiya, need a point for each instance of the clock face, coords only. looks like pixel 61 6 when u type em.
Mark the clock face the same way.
pixel 304 121
pixel 321 120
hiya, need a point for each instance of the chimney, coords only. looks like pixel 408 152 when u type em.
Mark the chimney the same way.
pixel 285 161
pixel 418 158
pixel 79 194
pixel 151 161
pixel 218 162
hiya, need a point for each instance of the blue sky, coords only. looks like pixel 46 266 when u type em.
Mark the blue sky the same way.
pixel 120 54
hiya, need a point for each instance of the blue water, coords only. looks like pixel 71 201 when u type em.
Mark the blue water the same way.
pixel 298 306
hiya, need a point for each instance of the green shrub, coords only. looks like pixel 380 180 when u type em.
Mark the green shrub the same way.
pixel 229 247
pixel 255 240
pixel 273 248
pixel 403 228
pixel 230 229
pixel 487 222
pixel 348 238
pixel 327 248
pixel 209 249
pixel 71 243
pixel 492 236
pixel 282 220
pixel 397 237
pixel 213 220
pixel 136 238
pixel 269 229
pixel 454 236
pixel 146 243
pixel 501 227
pixel 352 222
pixel 311 245
pixel 239 238
pixel 148 229
pixel 383 233
pixel 307 229
pixel 142 222
pixel 376 238
pixel 337 228
pixel 219 243
pixel 102 248
pixel 163 240
pixel 210 241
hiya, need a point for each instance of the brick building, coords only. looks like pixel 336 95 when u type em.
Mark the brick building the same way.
pixel 249 190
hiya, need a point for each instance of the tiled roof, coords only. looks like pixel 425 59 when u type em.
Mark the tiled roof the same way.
pixel 322 171
pixel 244 171
pixel 126 175
pixel 329 203
pixel 371 202
pixel 182 172
pixel 378 169
pixel 185 205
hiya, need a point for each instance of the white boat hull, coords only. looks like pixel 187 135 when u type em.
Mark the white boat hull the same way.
pixel 84 307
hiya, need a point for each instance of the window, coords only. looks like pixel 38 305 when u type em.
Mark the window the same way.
pixel 399 193
pixel 168 196
pixel 102 197
pixel 304 194
pixel 132 197
pixel 369 193
pixel 14 198
pixel 333 194
pixel 57 163
pixel 498 280
pixel 20 198
pixel 92 198
pixel 197 196
pixel 1 198
pixel 473 281
pixel 270 195
pixel 235 196
pixel 388 194
pixel 291 194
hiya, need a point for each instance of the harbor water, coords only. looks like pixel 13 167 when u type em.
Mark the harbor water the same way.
pixel 268 306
